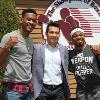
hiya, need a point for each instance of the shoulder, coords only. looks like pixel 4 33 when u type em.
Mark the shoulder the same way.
pixel 38 46
pixel 13 33
pixel 7 36
pixel 62 47
pixel 72 53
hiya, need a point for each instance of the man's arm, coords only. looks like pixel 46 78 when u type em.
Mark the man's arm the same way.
pixel 4 51
pixel 3 54
pixel 96 49
pixel 70 65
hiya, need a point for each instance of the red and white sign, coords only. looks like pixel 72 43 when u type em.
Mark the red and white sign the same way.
pixel 72 13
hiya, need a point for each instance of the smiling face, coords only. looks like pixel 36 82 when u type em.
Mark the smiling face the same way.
pixel 28 22
pixel 53 35
pixel 78 39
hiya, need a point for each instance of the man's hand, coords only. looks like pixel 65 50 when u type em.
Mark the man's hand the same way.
pixel 42 41
pixel 5 50
pixel 12 41
pixel 96 49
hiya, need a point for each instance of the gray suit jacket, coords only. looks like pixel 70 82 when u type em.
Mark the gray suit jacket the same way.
pixel 38 68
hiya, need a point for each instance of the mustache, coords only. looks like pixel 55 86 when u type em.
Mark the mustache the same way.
pixel 81 43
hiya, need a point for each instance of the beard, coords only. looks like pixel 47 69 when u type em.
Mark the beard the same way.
pixel 80 44
pixel 29 28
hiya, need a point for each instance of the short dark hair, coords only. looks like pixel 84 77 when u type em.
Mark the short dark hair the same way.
pixel 55 24
pixel 28 11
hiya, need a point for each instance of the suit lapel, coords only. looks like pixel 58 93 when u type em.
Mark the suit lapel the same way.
pixel 62 54
pixel 61 49
pixel 43 53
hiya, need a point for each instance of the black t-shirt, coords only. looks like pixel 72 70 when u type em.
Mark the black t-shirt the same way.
pixel 84 65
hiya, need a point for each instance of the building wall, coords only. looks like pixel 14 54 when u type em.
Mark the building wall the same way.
pixel 40 6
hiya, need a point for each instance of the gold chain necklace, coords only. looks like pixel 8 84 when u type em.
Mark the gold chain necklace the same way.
pixel 26 39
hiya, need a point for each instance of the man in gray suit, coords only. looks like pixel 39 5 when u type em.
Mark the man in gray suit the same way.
pixel 50 67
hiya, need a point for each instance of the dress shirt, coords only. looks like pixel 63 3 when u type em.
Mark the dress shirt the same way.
pixel 52 66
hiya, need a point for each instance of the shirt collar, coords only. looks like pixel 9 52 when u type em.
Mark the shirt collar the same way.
pixel 47 45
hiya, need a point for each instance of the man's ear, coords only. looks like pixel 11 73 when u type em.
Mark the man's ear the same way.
pixel 20 20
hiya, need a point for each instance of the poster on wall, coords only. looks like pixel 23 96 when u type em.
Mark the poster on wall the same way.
pixel 74 13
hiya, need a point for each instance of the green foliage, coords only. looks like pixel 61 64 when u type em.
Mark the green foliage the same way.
pixel 98 1
pixel 9 18
pixel 1 78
